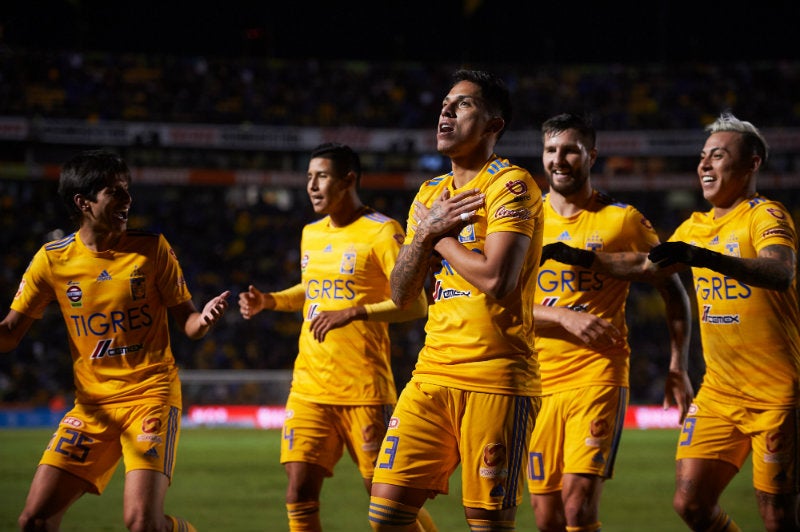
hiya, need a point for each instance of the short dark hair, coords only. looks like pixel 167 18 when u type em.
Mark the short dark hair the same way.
pixel 581 123
pixel 343 157
pixel 494 91
pixel 87 173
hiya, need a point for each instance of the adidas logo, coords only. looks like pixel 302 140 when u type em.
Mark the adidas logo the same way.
pixel 104 276
pixel 151 453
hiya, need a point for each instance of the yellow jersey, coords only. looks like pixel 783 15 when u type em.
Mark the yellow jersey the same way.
pixel 342 267
pixel 750 336
pixel 604 225
pixel 474 342
pixel 115 307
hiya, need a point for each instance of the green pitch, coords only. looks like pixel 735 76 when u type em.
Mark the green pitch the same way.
pixel 230 479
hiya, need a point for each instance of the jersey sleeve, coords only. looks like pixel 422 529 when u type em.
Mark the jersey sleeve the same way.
pixel 34 292
pixel 773 225
pixel 638 231
pixel 512 201
pixel 171 282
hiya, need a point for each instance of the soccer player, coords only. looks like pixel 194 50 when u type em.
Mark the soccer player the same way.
pixel 743 257
pixel 115 288
pixel 343 391
pixel 581 334
pixel 475 389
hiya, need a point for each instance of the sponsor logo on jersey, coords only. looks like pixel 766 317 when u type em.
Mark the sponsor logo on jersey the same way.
pixel 103 349
pixel 152 452
pixel 313 310
pixel 775 442
pixel 393 423
pixel 504 212
pixel 550 301
pixel 399 238
pixel 75 296
pixel 72 422
pixel 20 289
pixel 104 276
pixel 718 319
pixel 777 231
pixel 517 187
pixel 440 293
pixel 304 262
pixel 564 236
pixel 776 213
pixel 645 222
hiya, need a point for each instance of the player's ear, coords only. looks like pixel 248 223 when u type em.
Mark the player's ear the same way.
pixel 495 125
pixel 81 202
pixel 349 178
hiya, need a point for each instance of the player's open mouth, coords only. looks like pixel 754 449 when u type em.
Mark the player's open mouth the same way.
pixel 123 215
pixel 446 128
pixel 708 179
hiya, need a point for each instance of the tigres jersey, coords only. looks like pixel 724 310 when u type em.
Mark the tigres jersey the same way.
pixel 604 225
pixel 750 336
pixel 343 267
pixel 474 342
pixel 114 305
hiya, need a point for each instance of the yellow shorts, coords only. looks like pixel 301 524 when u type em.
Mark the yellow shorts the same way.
pixel 317 433
pixel 434 428
pixel 577 432
pixel 727 432
pixel 90 440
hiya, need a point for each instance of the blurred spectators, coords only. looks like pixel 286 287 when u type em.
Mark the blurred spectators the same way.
pixel 205 89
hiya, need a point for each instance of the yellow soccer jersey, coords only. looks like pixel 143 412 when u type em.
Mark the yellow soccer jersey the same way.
pixel 343 267
pixel 604 225
pixel 750 336
pixel 474 342
pixel 114 304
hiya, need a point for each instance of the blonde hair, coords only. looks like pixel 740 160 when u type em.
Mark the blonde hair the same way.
pixel 753 139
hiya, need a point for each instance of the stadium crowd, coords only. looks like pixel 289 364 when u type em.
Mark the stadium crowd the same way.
pixel 228 238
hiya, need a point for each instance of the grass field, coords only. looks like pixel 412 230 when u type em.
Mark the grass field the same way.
pixel 230 480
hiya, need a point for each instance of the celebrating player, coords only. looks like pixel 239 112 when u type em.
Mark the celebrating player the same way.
pixel 115 288
pixel 474 391
pixel 581 334
pixel 343 391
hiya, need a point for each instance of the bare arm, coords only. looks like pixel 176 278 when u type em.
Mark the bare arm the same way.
pixel 196 324
pixel 494 272
pixel 13 329
pixel 677 387
pixel 591 330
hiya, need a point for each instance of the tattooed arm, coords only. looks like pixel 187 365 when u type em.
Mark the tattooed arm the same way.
pixel 411 268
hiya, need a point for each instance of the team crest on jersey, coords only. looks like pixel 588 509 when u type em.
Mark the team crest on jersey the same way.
pixel 595 242
pixel 138 284
pixel 467 234
pixel 494 461
pixel 348 264
pixel 75 296
pixel 304 262
pixel 732 247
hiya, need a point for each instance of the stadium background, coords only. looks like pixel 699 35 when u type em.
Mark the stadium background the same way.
pixel 216 108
